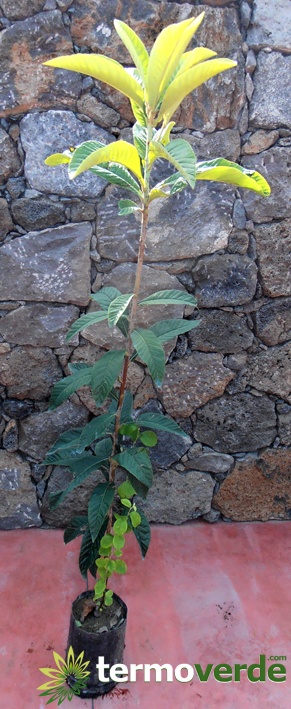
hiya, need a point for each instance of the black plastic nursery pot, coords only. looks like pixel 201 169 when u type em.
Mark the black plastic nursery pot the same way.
pixel 108 644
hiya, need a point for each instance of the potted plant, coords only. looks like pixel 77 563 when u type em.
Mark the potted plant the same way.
pixel 120 439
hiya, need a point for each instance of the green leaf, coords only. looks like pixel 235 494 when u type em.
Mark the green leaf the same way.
pixel 98 427
pixel 102 68
pixel 135 518
pixel 123 325
pixel 140 139
pixel 160 422
pixel 150 351
pixel 138 464
pixel 76 526
pixel 99 588
pixel 125 502
pixel 120 525
pixel 117 307
pixel 165 330
pixel 89 551
pixel 106 542
pixel 143 534
pixel 221 170
pixel 85 321
pixel 127 206
pixel 127 406
pixel 149 439
pixel 105 296
pixel 108 600
pixel 117 174
pixel 126 490
pixel 138 113
pixel 105 373
pixel 68 386
pixel 174 183
pixel 99 504
pixel 66 441
pixel 120 566
pixel 82 151
pixel 169 297
pixel 129 429
pixel 180 154
pixel 118 541
pixel 135 47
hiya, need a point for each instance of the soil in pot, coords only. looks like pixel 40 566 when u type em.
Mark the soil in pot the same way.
pixel 100 635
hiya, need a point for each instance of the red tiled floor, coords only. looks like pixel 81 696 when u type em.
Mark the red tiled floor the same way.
pixel 205 594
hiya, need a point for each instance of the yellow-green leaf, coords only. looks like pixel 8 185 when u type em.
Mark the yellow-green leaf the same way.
pixel 57 159
pixel 193 57
pixel 104 69
pixel 188 81
pixel 155 194
pixel 135 47
pixel 221 170
pixel 180 153
pixel 166 52
pixel 163 134
pixel 119 151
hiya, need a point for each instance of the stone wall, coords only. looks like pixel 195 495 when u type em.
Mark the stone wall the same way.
pixel 228 382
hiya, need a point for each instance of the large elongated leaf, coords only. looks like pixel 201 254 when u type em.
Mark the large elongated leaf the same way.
pixel 117 307
pixel 101 68
pixel 140 139
pixel 99 504
pixel 193 57
pixel 67 386
pixel 165 330
pixel 188 81
pixel 120 151
pixel 75 528
pixel 58 159
pixel 169 297
pixel 85 321
pixel 165 54
pixel 180 154
pixel 174 183
pixel 142 533
pixel 105 373
pixel 57 497
pixel 89 552
pixel 159 422
pixel 127 206
pixel 138 464
pixel 110 171
pixel 67 440
pixel 150 351
pixel 105 296
pixel 221 170
pixel 135 47
pixel 98 427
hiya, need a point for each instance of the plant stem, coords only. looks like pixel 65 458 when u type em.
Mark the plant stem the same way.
pixel 134 303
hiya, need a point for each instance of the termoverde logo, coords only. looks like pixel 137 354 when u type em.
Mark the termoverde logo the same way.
pixel 58 688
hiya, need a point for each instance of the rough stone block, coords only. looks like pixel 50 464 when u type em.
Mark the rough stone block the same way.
pixel 239 423
pixel 270 371
pixel 76 502
pixel 6 223
pixel 273 321
pixel 9 159
pixel 176 498
pixel 270 104
pixel 274 256
pixel 275 166
pixel 224 279
pixel 18 505
pixel 37 213
pixel 220 331
pixel 39 325
pixel 29 372
pixel 270 25
pixel 51 265
pixel 52 132
pixel 38 432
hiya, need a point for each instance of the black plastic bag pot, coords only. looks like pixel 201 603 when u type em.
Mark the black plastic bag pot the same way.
pixel 108 644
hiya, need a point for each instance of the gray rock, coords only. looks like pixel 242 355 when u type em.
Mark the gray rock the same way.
pixel 169 448
pixel 239 215
pixel 210 462
pixel 18 505
pixel 83 211
pixel 221 143
pixel 201 218
pixel 40 325
pixel 270 371
pixel 10 436
pixel 37 213
pixel 273 321
pixel 29 372
pixel 76 502
pixel 238 242
pixel 6 223
pixel 9 159
pixel 274 256
pixel 101 114
pixel 191 382
pixel 52 265
pixel 38 432
pixel 284 427
pixel 212 516
pixel 122 277
pixel 25 83
pixel 224 279
pixel 175 498
pixel 220 331
pixel 54 131
pixel 239 423
pixel 16 186
pixel 271 98
pixel 21 9
pixel 260 140
pixel 270 26
pixel 17 409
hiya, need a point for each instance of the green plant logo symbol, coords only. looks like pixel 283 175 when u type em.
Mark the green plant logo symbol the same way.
pixel 68 679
